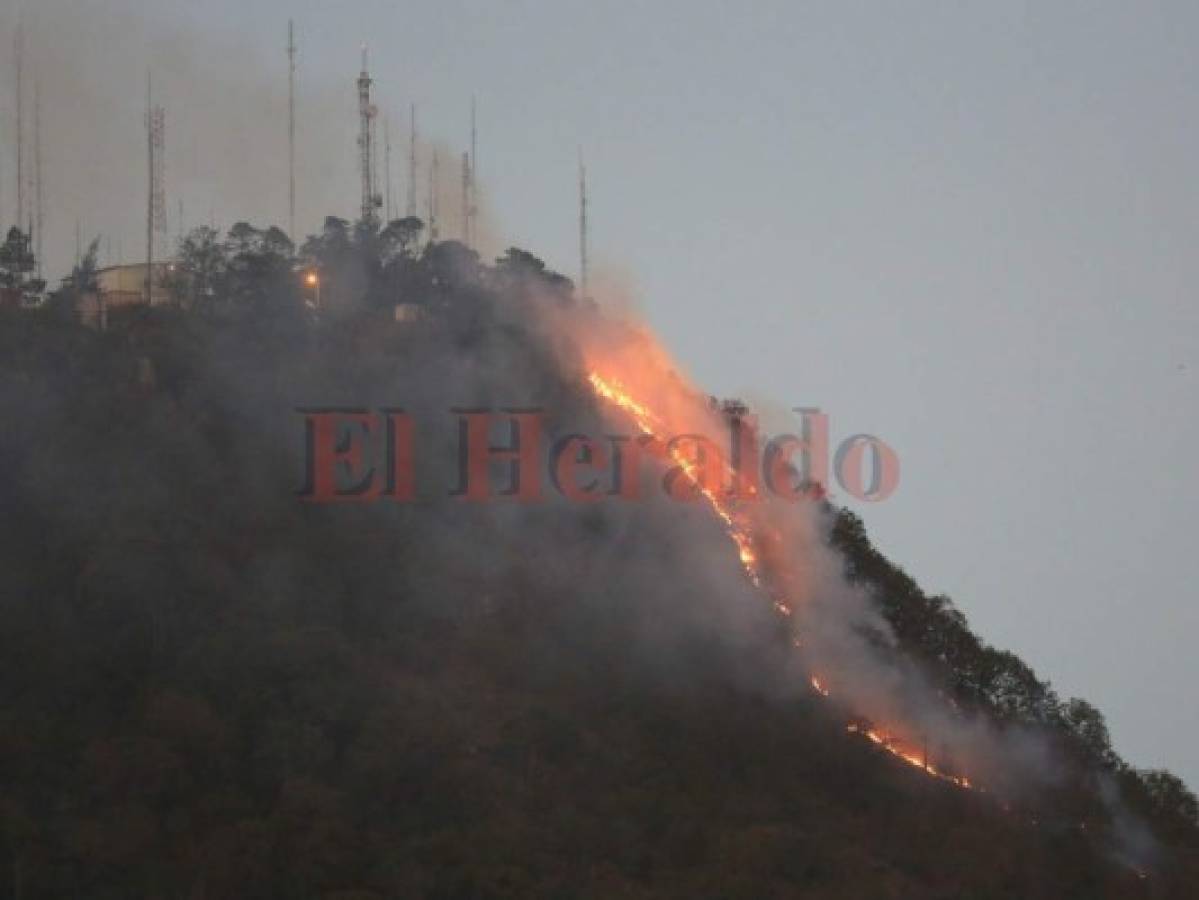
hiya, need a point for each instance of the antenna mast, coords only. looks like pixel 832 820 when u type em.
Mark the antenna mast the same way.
pixel 366 116
pixel 291 131
pixel 387 165
pixel 17 48
pixel 582 227
pixel 433 198
pixel 37 170
pixel 472 212
pixel 466 199
pixel 412 162
pixel 156 213
pixel 149 188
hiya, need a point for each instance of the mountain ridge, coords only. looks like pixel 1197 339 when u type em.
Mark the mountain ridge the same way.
pixel 213 689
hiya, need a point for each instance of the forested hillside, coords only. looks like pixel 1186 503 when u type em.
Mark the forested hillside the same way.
pixel 211 689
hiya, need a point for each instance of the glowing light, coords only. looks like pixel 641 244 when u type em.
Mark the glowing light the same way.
pixel 918 760
pixel 739 530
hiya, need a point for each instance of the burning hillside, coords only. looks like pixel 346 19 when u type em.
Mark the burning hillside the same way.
pixel 682 686
pixel 775 542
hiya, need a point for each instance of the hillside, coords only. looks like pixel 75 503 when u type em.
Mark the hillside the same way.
pixel 210 688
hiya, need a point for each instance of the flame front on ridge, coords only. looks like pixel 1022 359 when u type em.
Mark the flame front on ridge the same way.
pixel 740 530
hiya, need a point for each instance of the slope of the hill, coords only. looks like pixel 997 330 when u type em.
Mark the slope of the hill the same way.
pixel 209 688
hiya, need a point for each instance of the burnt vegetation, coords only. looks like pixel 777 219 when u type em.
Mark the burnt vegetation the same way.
pixel 209 689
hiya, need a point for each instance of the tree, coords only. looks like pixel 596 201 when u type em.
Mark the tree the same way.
pixel 258 275
pixel 333 243
pixel 65 302
pixel 402 236
pixel 202 263
pixel 1086 724
pixel 83 275
pixel 17 267
pixel 1170 798
pixel 275 241
pixel 342 255
pixel 523 274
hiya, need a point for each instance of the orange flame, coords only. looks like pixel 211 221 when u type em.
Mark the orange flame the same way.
pixel 738 527
pixel 919 760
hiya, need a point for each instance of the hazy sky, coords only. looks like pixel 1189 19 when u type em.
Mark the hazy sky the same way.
pixel 969 228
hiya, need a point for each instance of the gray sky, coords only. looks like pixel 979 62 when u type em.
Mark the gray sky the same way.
pixel 968 228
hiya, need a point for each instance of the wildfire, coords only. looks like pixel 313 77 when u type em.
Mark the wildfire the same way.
pixel 739 530
pixel 919 760
pixel 754 539
pixel 610 391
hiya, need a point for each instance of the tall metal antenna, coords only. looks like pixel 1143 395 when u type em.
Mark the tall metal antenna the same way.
pixel 411 211
pixel 160 159
pixel 473 210
pixel 433 198
pixel 156 212
pixel 18 48
pixel 366 116
pixel 38 196
pixel 291 131
pixel 30 206
pixel 387 166
pixel 582 227
pixel 376 180
pixel 149 188
pixel 466 199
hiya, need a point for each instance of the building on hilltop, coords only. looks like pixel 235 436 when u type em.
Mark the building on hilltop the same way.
pixel 120 286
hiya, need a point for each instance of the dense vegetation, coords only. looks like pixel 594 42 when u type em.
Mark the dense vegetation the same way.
pixel 210 689
pixel 935 632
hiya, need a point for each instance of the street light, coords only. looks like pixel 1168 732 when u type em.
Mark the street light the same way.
pixel 313 281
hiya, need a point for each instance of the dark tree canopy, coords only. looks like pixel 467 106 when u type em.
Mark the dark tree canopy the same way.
pixel 209 689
